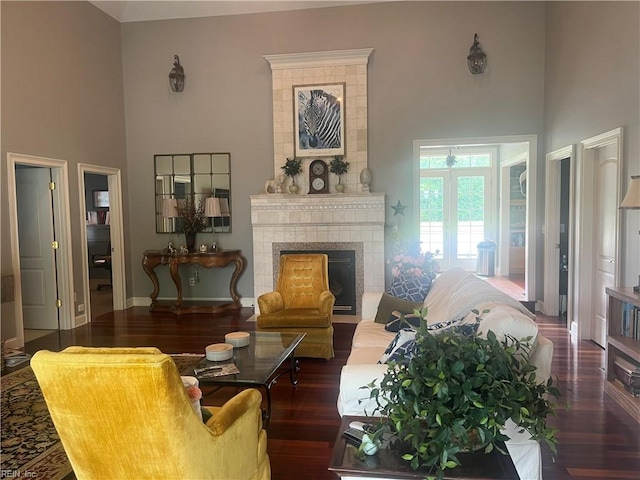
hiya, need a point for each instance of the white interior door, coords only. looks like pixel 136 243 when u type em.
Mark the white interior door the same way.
pixel 605 208
pixel 37 257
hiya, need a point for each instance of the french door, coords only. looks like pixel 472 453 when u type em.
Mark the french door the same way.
pixel 455 208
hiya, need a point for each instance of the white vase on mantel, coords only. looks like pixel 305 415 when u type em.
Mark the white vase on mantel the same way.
pixel 365 179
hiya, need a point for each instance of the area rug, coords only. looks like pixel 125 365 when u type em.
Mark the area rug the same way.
pixel 30 443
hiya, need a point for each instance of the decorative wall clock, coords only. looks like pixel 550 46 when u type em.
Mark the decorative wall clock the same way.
pixel 318 177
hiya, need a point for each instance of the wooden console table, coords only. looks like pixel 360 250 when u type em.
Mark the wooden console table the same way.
pixel 153 258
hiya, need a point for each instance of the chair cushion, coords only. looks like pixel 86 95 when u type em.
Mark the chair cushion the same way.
pixel 294 317
pixel 389 303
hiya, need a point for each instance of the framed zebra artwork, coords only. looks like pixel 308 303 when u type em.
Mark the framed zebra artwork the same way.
pixel 318 112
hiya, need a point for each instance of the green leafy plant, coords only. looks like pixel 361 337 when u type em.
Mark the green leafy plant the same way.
pixel 457 391
pixel 292 168
pixel 338 166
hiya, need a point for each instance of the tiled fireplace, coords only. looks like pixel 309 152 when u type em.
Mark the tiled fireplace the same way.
pixel 348 221
pixel 319 222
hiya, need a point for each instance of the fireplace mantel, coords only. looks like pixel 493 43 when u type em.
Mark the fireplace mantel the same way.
pixel 356 218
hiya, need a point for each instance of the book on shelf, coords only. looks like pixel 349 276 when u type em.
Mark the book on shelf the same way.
pixel 630 326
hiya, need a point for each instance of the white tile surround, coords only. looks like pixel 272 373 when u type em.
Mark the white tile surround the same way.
pixel 328 221
pixel 323 221
pixel 343 66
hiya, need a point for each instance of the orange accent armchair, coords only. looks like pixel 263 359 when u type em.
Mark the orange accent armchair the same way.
pixel 300 303
pixel 124 413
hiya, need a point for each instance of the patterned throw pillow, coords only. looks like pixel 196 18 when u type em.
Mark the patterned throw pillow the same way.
pixel 410 287
pixel 403 337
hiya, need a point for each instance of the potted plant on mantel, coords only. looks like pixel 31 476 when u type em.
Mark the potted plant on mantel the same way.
pixel 339 167
pixel 455 391
pixel 292 168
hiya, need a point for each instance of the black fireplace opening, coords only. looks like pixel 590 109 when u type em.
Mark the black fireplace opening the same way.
pixel 342 277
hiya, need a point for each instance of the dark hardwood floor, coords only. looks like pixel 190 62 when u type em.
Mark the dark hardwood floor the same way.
pixel 598 440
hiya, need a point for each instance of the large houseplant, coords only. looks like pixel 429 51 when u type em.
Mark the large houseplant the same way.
pixel 454 391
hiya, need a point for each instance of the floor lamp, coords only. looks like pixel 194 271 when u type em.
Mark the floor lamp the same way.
pixel 631 201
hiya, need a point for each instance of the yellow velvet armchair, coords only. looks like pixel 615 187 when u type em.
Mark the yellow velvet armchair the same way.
pixel 301 302
pixel 124 413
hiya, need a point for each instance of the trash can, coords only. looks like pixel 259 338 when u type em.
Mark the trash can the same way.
pixel 486 263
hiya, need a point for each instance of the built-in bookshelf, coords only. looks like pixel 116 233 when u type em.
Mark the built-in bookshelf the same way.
pixel 623 349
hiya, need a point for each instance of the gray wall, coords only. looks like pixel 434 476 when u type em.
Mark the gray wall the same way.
pixel 419 87
pixel 592 86
pixel 568 70
pixel 62 98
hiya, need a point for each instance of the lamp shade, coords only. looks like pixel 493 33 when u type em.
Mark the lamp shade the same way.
pixel 212 207
pixel 631 200
pixel 169 208
pixel 224 207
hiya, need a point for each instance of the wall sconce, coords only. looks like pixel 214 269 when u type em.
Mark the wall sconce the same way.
pixel 477 59
pixel 176 75
pixel 631 201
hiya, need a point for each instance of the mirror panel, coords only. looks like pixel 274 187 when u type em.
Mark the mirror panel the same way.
pixel 195 176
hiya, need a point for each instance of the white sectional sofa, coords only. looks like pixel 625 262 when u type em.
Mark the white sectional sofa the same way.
pixel 452 296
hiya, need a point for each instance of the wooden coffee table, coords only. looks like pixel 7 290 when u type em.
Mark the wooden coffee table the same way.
pixel 387 464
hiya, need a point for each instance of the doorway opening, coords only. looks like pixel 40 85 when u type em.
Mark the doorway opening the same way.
pixel 40 245
pixel 511 150
pixel 102 239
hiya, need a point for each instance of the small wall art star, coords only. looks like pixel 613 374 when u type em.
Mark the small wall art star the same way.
pixel 398 209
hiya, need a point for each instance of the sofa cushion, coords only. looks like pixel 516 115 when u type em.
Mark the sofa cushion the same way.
pixel 371 334
pixel 389 303
pixel 439 296
pixel 505 320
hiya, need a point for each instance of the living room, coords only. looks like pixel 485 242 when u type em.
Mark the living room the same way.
pixel 87 89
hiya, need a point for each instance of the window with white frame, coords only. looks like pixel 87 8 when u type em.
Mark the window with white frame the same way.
pixel 455 201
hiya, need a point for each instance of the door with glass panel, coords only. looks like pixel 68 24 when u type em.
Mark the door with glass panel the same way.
pixel 455 205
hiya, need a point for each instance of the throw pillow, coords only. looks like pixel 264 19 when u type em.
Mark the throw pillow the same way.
pixel 410 287
pixel 402 337
pixel 389 303
pixel 399 320
pixel 404 353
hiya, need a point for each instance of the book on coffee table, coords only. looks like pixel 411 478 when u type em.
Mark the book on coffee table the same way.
pixel 216 371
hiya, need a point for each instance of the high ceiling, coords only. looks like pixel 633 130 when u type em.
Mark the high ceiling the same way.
pixel 144 10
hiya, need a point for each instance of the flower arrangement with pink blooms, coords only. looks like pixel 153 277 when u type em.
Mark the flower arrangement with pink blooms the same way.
pixel 419 266
pixel 194 393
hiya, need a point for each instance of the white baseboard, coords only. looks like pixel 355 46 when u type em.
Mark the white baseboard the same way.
pixel 146 301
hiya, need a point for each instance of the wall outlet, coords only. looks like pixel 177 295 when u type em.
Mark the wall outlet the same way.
pixel 192 281
pixel 81 307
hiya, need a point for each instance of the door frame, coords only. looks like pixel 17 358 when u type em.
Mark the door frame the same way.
pixel 532 184
pixel 62 226
pixel 584 269
pixel 504 210
pixel 551 302
pixel 116 233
